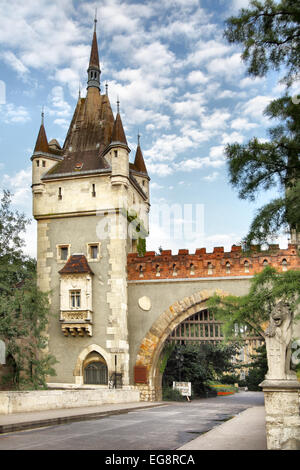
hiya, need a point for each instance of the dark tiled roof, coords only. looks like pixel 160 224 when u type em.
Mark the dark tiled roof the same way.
pixel 42 144
pixel 94 58
pixel 89 134
pixel 118 134
pixel 139 163
pixel 76 264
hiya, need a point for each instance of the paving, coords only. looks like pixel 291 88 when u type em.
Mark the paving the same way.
pixel 244 432
pixel 234 422
pixel 36 419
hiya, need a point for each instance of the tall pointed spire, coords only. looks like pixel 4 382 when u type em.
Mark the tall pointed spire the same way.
pixel 139 162
pixel 42 141
pixel 94 64
pixel 118 134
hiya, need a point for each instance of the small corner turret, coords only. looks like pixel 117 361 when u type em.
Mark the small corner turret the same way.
pixel 44 157
pixel 119 152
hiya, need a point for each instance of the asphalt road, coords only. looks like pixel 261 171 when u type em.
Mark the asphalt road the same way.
pixel 164 428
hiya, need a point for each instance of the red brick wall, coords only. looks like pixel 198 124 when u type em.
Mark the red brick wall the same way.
pixel 196 265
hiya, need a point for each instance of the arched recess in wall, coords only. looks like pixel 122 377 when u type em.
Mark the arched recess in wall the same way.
pixel 150 349
pixel 92 357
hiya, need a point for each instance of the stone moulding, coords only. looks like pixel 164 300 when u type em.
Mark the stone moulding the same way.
pixel 76 329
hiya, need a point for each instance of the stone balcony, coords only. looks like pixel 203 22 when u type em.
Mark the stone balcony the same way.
pixel 76 322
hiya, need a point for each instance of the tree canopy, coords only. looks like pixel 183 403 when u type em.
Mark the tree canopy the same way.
pixel 24 309
pixel 269 32
pixel 259 166
pixel 248 314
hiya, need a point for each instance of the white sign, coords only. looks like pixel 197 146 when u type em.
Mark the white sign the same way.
pixel 185 388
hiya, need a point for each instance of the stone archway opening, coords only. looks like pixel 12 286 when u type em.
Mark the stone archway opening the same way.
pixel 96 361
pixel 148 375
pixel 95 370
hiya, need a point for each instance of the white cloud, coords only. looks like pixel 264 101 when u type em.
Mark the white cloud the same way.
pixel 227 67
pixel 241 123
pixel 20 185
pixel 216 121
pixel 211 177
pixel 159 169
pixel 256 106
pixel 206 51
pixel 198 163
pixel 197 77
pixel 60 107
pixel 216 153
pixel 16 64
pixel 155 185
pixel 238 4
pixel 232 138
pixel 12 114
pixel 251 81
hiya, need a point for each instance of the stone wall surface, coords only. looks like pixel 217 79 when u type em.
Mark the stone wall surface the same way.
pixel 18 402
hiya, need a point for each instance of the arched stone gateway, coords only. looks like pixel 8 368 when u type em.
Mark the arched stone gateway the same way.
pixel 147 362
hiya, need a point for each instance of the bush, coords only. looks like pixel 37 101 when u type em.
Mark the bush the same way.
pixel 253 379
pixel 230 379
pixel 172 394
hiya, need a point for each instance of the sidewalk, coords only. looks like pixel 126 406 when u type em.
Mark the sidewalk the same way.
pixel 20 421
pixel 246 431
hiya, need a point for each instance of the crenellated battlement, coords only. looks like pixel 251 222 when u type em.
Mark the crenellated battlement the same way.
pixel 218 263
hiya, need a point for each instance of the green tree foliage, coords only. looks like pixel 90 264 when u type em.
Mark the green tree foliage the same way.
pixel 24 309
pixel 269 32
pixel 198 363
pixel 259 166
pixel 24 314
pixel 248 314
pixel 14 266
pixel 258 368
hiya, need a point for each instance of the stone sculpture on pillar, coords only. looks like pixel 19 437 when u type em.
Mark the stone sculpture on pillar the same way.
pixel 278 338
pixel 281 387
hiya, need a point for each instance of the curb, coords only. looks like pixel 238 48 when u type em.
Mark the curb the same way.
pixel 6 428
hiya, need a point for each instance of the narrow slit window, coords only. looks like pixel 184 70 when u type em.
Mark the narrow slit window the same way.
pixel 94 250
pixel 209 268
pixel 94 190
pixel 284 265
pixel 64 253
pixel 59 193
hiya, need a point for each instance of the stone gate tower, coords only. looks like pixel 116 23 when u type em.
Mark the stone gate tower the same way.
pixel 83 194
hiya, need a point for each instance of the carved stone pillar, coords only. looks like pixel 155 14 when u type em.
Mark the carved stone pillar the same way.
pixel 282 414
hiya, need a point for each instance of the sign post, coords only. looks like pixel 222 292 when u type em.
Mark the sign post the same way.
pixel 185 388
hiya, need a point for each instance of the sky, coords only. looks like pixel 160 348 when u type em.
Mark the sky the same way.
pixel 181 86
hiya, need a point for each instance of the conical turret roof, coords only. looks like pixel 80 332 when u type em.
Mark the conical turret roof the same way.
pixel 118 134
pixel 139 163
pixel 42 141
